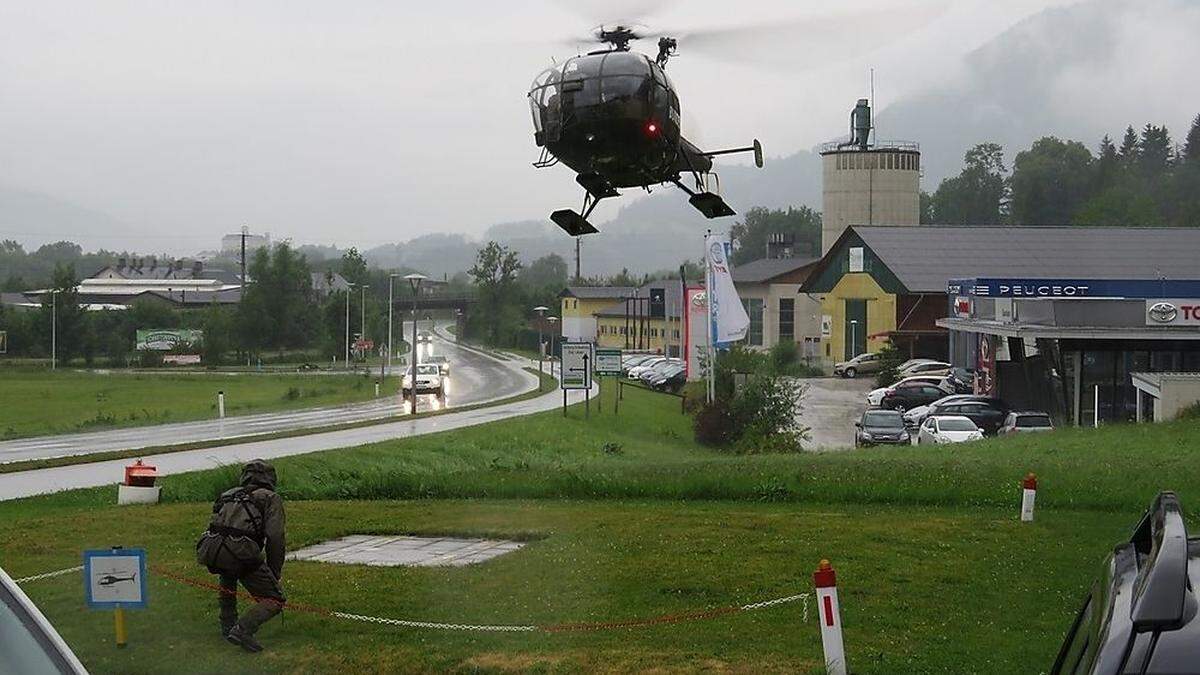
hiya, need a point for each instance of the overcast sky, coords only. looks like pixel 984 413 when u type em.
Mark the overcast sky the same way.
pixel 368 122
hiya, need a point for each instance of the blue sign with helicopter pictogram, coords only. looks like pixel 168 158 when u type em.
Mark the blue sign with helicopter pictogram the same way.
pixel 115 578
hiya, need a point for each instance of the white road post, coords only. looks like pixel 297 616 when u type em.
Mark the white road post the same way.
pixel 829 614
pixel 1028 495
pixel 376 389
pixel 221 404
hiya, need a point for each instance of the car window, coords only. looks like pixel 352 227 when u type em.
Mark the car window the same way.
pixel 932 391
pixel 957 425
pixel 1076 650
pixel 885 419
pixel 1033 421
pixel 428 369
pixel 26 649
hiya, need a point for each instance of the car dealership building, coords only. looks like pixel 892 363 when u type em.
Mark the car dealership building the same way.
pixel 1084 349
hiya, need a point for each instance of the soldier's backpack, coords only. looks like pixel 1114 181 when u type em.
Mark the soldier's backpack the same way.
pixel 234 539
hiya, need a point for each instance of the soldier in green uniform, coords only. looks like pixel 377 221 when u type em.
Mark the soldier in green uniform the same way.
pixel 244 543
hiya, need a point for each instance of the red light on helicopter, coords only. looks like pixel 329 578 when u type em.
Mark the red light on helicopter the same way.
pixel 651 128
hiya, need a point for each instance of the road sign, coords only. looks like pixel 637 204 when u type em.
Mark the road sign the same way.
pixel 115 578
pixel 608 361
pixel 576 365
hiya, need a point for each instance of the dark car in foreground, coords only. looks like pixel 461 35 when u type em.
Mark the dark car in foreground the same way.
pixel 987 413
pixel 1141 615
pixel 907 395
pixel 880 427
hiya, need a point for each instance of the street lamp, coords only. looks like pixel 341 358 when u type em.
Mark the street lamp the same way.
pixel 553 320
pixel 362 336
pixel 349 285
pixel 414 280
pixel 389 354
pixel 53 329
pixel 541 310
pixel 853 338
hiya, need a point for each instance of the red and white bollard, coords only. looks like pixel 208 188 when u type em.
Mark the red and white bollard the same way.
pixel 1028 495
pixel 829 614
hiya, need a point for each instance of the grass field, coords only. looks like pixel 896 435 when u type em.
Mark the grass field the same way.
pixel 37 402
pixel 936 574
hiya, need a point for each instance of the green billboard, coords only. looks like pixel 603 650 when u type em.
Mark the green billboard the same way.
pixel 169 339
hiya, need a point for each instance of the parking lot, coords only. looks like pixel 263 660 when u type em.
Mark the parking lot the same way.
pixel 830 407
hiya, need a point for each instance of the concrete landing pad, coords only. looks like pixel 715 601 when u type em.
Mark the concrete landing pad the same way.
pixel 394 551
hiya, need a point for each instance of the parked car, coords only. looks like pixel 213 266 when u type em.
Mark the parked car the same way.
pixel 959 380
pixel 914 416
pixel 649 375
pixel 875 396
pixel 918 414
pixel 429 380
pixel 940 429
pixel 910 395
pixel 31 645
pixel 880 427
pixel 635 373
pixel 987 413
pixel 1140 616
pixel 938 368
pixel 1025 422
pixel 669 374
pixel 675 381
pixel 863 363
pixel 634 360
pixel 913 362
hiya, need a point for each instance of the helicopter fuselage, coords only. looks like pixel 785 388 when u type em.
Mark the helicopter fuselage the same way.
pixel 614 114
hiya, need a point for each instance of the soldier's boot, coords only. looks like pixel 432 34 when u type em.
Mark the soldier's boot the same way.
pixel 238 636
pixel 227 604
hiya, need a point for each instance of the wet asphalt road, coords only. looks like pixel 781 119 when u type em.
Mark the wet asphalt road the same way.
pixel 474 378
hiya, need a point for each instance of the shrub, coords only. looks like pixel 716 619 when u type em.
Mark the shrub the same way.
pixel 889 359
pixel 292 394
pixel 694 396
pixel 1192 412
pixel 713 424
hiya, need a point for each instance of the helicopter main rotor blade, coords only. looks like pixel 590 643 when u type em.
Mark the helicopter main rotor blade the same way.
pixel 812 41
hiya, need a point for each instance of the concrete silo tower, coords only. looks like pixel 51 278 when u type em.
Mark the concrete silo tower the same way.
pixel 868 183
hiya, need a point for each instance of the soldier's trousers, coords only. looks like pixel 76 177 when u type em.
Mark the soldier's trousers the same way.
pixel 260 583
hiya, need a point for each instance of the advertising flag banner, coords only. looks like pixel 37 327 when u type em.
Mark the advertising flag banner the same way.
pixel 729 321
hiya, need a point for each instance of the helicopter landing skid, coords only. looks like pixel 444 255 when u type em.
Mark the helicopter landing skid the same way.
pixel 572 223
pixel 708 203
pixel 596 187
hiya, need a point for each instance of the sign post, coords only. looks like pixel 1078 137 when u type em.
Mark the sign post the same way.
pixel 115 579
pixel 575 371
pixel 608 364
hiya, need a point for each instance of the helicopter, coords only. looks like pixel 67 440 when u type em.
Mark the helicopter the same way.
pixel 110 579
pixel 613 117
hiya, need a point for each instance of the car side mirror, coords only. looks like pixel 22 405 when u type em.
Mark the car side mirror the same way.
pixel 858 425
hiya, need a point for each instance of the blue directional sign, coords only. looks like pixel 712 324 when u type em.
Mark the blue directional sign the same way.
pixel 115 578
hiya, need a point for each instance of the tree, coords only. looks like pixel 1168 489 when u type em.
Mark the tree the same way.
pixel 61 317
pixel 977 196
pixel 494 273
pixel 1155 156
pixel 1050 182
pixel 750 236
pixel 1129 147
pixel 353 267
pixel 548 270
pixel 1191 147
pixel 276 310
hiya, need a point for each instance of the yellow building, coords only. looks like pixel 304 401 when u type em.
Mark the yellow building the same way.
pixel 579 305
pixel 875 290
pixel 634 319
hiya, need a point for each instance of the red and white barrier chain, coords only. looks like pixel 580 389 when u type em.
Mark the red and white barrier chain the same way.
pixel 491 628
pixel 47 575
